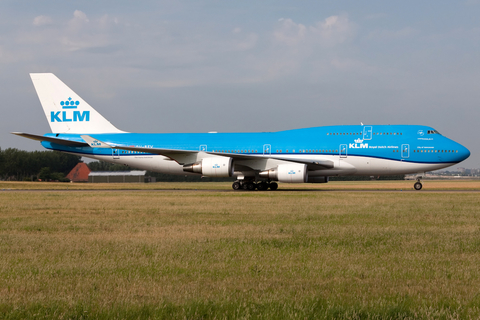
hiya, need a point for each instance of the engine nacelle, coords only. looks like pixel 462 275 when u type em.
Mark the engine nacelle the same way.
pixel 321 179
pixel 289 173
pixel 212 167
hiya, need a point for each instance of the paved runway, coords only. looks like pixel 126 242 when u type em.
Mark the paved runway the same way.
pixel 242 191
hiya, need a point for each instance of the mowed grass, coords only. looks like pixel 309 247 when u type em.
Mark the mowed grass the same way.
pixel 250 255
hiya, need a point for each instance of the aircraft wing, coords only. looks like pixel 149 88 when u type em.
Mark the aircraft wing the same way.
pixel 179 155
pixel 62 142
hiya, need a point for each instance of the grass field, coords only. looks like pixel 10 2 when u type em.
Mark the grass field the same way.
pixel 200 254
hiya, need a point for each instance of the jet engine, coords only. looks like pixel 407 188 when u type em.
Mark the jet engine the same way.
pixel 289 173
pixel 212 167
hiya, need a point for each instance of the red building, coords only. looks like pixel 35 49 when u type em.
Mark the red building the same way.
pixel 79 173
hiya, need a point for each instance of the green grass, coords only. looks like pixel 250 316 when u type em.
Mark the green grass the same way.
pixel 249 255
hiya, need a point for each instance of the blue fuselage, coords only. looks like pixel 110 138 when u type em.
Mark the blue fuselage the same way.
pixel 406 143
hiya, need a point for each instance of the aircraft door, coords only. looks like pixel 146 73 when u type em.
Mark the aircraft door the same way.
pixel 367 133
pixel 405 150
pixel 115 154
pixel 267 149
pixel 343 151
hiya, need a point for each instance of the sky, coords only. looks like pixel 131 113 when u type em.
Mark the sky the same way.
pixel 240 66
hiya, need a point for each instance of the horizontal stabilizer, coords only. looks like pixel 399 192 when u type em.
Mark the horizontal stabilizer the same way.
pixel 62 142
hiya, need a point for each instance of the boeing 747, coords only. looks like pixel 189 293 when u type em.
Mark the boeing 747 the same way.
pixel 256 160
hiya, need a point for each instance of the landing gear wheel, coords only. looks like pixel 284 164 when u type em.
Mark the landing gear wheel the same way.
pixel 261 186
pixel 236 185
pixel 418 185
pixel 273 186
pixel 250 186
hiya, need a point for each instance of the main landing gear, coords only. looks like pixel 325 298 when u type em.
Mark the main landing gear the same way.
pixel 418 185
pixel 251 185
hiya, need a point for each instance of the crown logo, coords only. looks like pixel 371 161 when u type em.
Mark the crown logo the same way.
pixel 358 140
pixel 69 104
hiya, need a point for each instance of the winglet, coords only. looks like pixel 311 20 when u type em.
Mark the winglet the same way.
pixel 95 143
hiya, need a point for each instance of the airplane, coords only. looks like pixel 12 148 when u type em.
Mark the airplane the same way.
pixel 257 160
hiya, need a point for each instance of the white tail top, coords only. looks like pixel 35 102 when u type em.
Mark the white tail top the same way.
pixel 66 112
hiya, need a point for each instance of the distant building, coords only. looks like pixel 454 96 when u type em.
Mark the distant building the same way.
pixel 79 173
pixel 134 176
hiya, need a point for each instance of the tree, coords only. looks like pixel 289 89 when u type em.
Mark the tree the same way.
pixel 18 164
pixel 45 174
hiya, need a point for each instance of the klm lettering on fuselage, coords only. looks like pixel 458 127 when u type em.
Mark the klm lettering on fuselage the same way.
pixel 69 115
pixel 358 144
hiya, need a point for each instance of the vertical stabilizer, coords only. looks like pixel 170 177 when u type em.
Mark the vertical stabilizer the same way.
pixel 66 112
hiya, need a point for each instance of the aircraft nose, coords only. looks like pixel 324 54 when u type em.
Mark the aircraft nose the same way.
pixel 463 153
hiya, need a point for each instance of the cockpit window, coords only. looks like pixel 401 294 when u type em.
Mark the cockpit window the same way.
pixel 433 132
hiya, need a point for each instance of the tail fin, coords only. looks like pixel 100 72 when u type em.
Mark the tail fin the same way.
pixel 66 112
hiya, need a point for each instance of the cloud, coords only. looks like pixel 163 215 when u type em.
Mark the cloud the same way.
pixel 289 32
pixel 79 16
pixel 42 21
pixel 332 31
pixel 247 43
pixel 80 33
pixel 185 55
pixel 297 48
